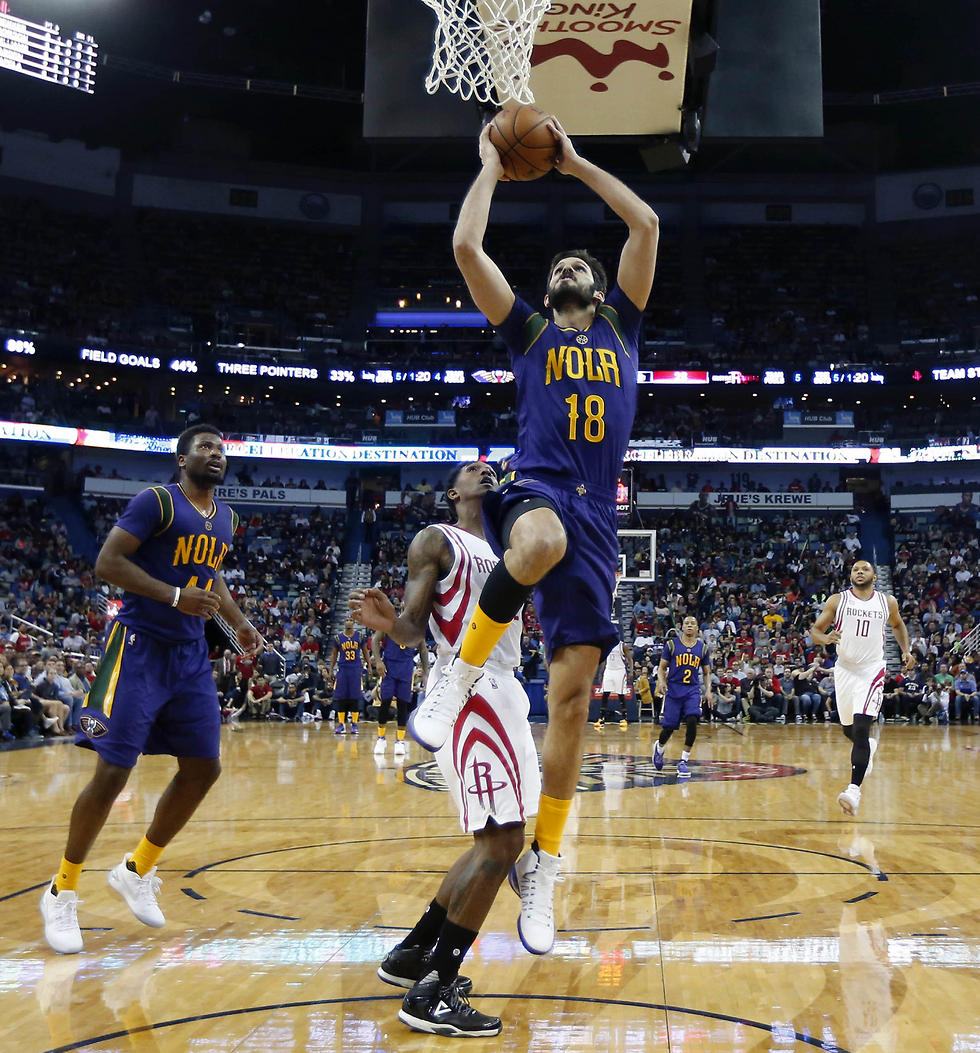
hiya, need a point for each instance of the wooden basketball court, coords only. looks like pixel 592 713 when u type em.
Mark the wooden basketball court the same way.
pixel 739 911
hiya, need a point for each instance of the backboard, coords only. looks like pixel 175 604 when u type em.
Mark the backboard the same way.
pixel 638 555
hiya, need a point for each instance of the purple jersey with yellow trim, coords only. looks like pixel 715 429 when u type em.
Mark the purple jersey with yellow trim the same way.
pixel 349 654
pixel 398 660
pixel 179 544
pixel 683 666
pixel 576 390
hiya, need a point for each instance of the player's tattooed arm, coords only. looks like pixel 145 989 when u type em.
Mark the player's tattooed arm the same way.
pixel 429 559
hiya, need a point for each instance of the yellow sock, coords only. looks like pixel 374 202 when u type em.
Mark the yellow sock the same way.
pixel 353 717
pixel 400 734
pixel 145 857
pixel 342 717
pixel 482 636
pixel 552 816
pixel 381 730
pixel 68 875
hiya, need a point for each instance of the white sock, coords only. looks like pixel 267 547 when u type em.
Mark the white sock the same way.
pixel 685 755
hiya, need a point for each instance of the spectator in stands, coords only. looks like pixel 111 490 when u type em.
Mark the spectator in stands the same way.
pixel 293 704
pixel 965 694
pixel 56 713
pixel 259 698
pixel 6 704
pixel 806 696
pixel 825 688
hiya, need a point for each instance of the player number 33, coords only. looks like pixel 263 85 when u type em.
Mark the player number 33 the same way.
pixel 593 427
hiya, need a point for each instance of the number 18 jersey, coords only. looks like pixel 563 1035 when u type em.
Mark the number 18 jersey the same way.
pixel 576 390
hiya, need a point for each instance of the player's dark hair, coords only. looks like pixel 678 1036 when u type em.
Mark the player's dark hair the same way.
pixel 598 271
pixel 185 437
pixel 454 474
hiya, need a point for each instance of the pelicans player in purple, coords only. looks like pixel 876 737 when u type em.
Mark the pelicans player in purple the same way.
pixel 683 665
pixel 154 692
pixel 554 522
pixel 348 689
pixel 855 621
pixel 395 664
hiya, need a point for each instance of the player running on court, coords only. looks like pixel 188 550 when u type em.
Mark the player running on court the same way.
pixel 349 649
pixel 684 663
pixel 858 616
pixel 154 692
pixel 490 765
pixel 554 522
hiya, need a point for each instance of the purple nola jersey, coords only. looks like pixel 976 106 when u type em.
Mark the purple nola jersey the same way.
pixel 179 544
pixel 683 665
pixel 576 390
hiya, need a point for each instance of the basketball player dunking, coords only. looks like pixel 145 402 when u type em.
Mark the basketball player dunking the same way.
pixel 490 765
pixel 554 521
pixel 858 617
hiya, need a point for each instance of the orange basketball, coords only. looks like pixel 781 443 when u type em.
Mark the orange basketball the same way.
pixel 526 146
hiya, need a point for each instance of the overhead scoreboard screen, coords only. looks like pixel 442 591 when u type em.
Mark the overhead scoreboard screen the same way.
pixel 42 51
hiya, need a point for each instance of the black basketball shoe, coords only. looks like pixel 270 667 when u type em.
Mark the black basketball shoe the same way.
pixel 440 1009
pixel 405 966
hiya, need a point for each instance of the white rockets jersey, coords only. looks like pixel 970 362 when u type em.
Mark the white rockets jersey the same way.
pixel 615 660
pixel 861 624
pixel 456 596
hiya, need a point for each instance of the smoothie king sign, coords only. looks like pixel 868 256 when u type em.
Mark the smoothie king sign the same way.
pixel 613 68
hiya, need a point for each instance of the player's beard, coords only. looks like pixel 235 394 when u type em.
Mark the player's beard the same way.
pixel 561 297
pixel 205 480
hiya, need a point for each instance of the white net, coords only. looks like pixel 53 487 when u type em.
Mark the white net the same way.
pixel 482 48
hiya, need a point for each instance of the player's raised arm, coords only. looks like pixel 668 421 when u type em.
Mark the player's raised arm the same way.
pixel 639 257
pixel 900 629
pixel 819 633
pixel 489 289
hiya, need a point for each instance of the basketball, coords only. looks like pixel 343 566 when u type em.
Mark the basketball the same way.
pixel 526 146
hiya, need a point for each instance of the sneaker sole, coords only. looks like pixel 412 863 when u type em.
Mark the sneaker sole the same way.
pixel 683 775
pixel 426 1026
pixel 425 745
pixel 846 807
pixel 528 947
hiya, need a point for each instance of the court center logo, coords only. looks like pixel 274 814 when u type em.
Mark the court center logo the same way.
pixel 608 771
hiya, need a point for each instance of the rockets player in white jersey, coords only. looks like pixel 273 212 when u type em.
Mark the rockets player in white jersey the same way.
pixel 858 617
pixel 617 666
pixel 489 762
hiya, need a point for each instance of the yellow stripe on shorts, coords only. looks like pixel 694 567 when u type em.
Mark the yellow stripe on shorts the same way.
pixel 101 693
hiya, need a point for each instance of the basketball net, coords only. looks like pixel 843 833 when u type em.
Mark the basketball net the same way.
pixel 482 48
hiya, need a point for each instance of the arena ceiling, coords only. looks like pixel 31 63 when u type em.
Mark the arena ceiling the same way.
pixel 869 46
